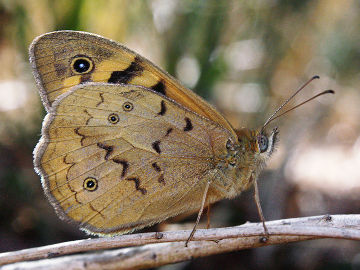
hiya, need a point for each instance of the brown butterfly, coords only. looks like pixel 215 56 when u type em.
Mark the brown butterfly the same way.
pixel 125 145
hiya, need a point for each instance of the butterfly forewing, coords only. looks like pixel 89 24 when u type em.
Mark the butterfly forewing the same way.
pixel 114 158
pixel 64 59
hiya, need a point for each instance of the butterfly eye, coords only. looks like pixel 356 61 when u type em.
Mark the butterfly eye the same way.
pixel 128 106
pixel 263 143
pixel 81 64
pixel 90 184
pixel 113 118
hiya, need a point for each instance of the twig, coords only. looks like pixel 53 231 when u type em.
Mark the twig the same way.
pixel 169 247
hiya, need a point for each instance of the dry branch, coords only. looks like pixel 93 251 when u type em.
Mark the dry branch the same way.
pixel 168 247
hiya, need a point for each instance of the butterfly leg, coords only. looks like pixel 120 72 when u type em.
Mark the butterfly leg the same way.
pixel 208 216
pixel 199 214
pixel 258 206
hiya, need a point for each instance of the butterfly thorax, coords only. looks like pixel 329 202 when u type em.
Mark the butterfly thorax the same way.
pixel 245 159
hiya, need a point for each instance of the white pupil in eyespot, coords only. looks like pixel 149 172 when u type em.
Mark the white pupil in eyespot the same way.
pixel 81 65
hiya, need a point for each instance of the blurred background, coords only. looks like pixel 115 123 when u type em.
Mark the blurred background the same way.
pixel 245 57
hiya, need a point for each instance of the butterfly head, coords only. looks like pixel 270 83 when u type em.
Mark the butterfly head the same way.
pixel 256 147
pixel 246 157
pixel 258 142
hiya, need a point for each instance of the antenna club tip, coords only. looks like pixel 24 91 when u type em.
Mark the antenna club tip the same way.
pixel 316 77
pixel 330 91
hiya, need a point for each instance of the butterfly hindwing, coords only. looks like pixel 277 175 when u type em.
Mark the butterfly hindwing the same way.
pixel 118 157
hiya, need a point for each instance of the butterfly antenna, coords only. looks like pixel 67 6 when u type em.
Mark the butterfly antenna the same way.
pixel 273 116
pixel 302 103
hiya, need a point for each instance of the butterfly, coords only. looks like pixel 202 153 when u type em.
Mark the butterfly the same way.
pixel 124 145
